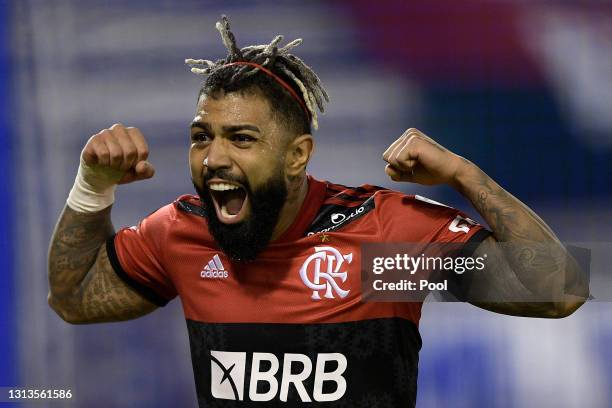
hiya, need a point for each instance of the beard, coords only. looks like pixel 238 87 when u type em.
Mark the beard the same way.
pixel 243 241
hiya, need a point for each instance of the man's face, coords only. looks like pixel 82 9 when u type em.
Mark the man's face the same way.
pixel 243 186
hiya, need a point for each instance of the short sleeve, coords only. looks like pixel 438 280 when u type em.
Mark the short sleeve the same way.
pixel 135 254
pixel 414 218
pixel 460 229
pixel 418 219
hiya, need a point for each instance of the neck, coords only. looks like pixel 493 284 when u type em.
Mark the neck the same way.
pixel 296 194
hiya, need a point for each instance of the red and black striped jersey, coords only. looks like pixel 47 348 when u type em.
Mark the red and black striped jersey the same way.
pixel 269 331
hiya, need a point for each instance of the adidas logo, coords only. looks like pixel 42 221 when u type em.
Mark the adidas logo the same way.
pixel 214 269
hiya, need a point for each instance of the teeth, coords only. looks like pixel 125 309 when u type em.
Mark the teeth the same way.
pixel 223 187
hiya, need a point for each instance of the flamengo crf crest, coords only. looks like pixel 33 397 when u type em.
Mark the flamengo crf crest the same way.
pixel 320 271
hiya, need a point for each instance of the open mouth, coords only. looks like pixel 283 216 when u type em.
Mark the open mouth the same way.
pixel 230 201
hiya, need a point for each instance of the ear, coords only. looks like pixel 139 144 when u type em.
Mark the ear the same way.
pixel 298 154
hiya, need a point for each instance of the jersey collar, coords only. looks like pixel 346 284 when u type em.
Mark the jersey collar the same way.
pixel 310 207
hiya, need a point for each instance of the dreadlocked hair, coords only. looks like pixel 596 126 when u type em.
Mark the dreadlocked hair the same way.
pixel 289 68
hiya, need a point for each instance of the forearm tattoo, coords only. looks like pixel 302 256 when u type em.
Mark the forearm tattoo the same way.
pixel 531 250
pixel 83 288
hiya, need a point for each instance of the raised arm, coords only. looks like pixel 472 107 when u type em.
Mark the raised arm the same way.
pixel 528 271
pixel 83 287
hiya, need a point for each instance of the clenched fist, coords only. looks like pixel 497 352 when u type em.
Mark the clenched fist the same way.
pixel 117 155
pixel 417 158
pixel 120 152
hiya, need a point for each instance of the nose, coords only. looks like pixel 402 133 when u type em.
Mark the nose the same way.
pixel 218 155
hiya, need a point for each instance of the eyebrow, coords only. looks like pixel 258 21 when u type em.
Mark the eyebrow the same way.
pixel 202 125
pixel 226 129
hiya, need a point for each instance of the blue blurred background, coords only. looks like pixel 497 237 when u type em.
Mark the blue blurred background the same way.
pixel 522 88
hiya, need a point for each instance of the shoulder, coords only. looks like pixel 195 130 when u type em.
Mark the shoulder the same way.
pixel 391 209
pixel 395 203
pixel 182 220
pixel 189 204
pixel 422 213
pixel 185 210
pixel 349 196
pixel 419 216
pixel 386 200
pixel 341 205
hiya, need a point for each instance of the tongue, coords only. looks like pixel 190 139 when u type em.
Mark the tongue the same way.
pixel 234 201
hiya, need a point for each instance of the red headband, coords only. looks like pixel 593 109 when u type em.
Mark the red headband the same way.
pixel 277 79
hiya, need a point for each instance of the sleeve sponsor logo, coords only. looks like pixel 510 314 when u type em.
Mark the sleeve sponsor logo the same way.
pixel 461 224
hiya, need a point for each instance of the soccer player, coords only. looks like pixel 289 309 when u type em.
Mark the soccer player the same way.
pixel 266 258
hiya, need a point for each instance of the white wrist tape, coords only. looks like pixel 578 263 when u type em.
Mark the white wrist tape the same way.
pixel 93 189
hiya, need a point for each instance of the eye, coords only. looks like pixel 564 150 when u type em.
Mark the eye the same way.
pixel 200 137
pixel 242 139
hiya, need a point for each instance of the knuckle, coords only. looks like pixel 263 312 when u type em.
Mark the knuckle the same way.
pixel 135 134
pixel 133 131
pixel 103 157
pixel 139 139
pixel 90 151
pixel 93 146
pixel 98 149
pixel 92 141
pixel 115 156
pixel 416 135
pixel 414 138
pixel 131 153
pixel 102 135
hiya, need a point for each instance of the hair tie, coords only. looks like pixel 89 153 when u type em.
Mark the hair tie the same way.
pixel 277 79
